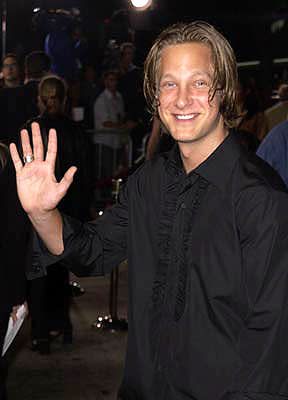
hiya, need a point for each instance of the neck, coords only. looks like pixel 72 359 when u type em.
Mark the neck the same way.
pixel 113 92
pixel 195 153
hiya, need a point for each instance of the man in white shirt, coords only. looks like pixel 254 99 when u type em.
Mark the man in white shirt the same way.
pixel 110 130
pixel 109 106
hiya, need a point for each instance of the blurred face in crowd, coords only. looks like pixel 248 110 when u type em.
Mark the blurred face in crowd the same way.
pixel 185 77
pixel 111 82
pixel 10 70
pixel 128 55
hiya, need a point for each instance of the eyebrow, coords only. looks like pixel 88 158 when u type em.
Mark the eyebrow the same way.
pixel 194 74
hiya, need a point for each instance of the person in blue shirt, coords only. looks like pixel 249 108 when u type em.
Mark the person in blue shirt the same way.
pixel 274 149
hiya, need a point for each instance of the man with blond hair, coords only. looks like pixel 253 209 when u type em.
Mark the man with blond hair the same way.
pixel 204 229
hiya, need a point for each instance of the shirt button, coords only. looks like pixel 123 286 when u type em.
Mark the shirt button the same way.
pixel 183 205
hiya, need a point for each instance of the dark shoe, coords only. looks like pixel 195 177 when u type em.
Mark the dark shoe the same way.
pixel 75 289
pixel 67 336
pixel 41 345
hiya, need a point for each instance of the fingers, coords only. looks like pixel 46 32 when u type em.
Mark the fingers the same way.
pixel 52 148
pixel 66 181
pixel 15 158
pixel 27 150
pixel 13 314
pixel 37 142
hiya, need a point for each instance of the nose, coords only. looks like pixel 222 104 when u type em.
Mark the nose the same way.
pixel 183 97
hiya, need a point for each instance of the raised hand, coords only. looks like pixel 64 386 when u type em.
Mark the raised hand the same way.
pixel 38 190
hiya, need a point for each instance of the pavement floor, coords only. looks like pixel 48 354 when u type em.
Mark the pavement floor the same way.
pixel 90 368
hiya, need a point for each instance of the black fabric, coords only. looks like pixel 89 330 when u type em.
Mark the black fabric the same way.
pixel 15 256
pixel 15 246
pixel 49 295
pixel 4 319
pixel 38 307
pixel 208 277
pixel 16 109
pixel 130 86
pixel 31 94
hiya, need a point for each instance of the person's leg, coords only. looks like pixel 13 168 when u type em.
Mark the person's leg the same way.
pixel 59 302
pixel 37 301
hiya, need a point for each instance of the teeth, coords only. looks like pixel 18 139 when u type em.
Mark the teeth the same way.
pixel 190 116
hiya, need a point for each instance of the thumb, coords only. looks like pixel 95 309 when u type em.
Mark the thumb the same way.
pixel 66 181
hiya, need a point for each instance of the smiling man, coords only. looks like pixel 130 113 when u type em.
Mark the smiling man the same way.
pixel 205 231
pixel 185 108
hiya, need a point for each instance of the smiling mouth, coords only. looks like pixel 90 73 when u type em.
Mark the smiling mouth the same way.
pixel 185 117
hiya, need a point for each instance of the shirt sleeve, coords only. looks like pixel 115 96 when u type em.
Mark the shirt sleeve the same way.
pixel 271 150
pixel 263 342
pixel 100 113
pixel 92 248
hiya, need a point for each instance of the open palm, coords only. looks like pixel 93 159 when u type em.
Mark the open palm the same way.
pixel 37 187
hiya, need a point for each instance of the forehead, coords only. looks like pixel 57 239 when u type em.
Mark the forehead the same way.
pixel 128 50
pixel 9 60
pixel 193 57
pixel 111 77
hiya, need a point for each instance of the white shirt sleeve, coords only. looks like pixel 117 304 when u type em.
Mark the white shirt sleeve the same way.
pixel 100 113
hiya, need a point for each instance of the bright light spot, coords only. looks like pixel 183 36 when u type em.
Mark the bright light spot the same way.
pixel 141 4
pixel 35 10
pixel 100 213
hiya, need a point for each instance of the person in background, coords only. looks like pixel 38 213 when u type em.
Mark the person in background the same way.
pixel 130 86
pixel 159 141
pixel 64 43
pixel 49 296
pixel 252 119
pixel 89 90
pixel 279 111
pixel 10 71
pixel 18 104
pixel 37 65
pixel 109 106
pixel 204 229
pixel 110 116
pixel 15 233
pixel 274 149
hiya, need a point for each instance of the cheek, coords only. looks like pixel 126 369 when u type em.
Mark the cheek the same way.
pixel 166 100
pixel 215 103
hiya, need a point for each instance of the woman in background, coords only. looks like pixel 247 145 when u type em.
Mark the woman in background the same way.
pixel 49 296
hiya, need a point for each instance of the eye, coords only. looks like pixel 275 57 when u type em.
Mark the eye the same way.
pixel 201 84
pixel 168 85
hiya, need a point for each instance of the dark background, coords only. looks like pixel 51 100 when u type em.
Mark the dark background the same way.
pixel 248 25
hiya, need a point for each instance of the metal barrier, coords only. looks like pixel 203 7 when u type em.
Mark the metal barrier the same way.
pixel 115 140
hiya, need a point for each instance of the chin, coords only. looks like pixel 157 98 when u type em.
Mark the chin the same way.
pixel 189 138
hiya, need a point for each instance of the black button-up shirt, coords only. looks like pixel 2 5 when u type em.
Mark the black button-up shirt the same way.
pixel 208 276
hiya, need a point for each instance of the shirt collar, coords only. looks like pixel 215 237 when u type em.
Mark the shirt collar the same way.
pixel 109 95
pixel 216 169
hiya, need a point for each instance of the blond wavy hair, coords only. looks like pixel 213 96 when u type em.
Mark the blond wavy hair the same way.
pixel 224 65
